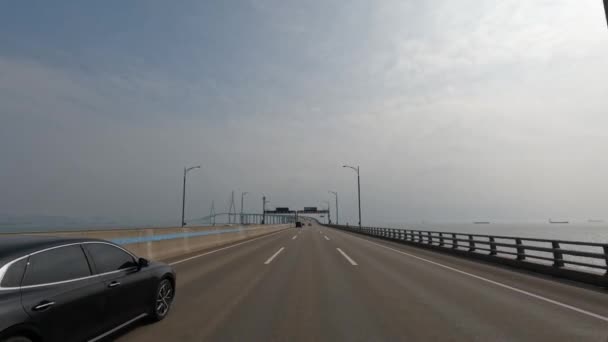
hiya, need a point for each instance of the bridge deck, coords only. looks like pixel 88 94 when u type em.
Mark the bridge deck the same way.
pixel 329 285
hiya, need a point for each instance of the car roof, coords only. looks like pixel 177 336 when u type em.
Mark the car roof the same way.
pixel 15 246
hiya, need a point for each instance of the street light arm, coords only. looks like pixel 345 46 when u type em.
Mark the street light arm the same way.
pixel 352 167
pixel 193 167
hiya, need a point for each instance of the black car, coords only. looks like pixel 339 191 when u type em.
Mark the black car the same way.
pixel 66 289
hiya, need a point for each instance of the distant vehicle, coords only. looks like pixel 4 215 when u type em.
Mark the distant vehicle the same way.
pixel 66 289
pixel 298 224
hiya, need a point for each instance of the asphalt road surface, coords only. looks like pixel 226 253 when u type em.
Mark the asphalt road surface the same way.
pixel 321 284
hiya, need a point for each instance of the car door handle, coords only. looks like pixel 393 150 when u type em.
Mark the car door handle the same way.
pixel 43 305
pixel 113 284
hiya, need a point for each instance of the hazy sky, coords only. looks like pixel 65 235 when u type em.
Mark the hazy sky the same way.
pixel 454 109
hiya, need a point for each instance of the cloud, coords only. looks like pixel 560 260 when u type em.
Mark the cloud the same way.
pixel 452 109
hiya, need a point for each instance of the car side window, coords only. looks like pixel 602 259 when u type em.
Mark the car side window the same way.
pixel 108 258
pixel 55 265
pixel 12 277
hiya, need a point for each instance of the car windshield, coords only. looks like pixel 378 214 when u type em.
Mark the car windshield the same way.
pixel 317 170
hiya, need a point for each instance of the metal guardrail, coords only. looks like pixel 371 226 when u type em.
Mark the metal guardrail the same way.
pixel 589 260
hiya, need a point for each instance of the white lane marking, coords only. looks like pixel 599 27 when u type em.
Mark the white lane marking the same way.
pixel 326 238
pixel 530 294
pixel 223 248
pixel 347 257
pixel 294 237
pixel 274 256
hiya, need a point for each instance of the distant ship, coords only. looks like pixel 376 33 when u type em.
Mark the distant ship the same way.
pixel 563 222
pixel 481 222
pixel 595 221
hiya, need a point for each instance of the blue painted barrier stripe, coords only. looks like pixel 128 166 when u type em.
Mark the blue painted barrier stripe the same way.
pixel 163 237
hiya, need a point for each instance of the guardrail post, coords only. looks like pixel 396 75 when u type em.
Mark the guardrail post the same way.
pixel 521 251
pixel 492 246
pixel 440 239
pixel 420 237
pixel 606 256
pixel 471 244
pixel 430 238
pixel 558 257
pixel 454 241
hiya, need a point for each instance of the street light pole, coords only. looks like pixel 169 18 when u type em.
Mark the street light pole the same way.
pixel 264 209
pixel 606 9
pixel 242 197
pixel 184 193
pixel 358 189
pixel 328 213
pixel 337 211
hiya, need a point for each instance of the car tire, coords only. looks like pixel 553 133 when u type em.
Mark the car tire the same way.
pixel 17 339
pixel 163 299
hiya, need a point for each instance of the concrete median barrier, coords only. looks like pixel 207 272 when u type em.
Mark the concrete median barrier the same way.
pixel 166 243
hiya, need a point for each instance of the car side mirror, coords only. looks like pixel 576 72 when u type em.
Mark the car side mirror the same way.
pixel 142 262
